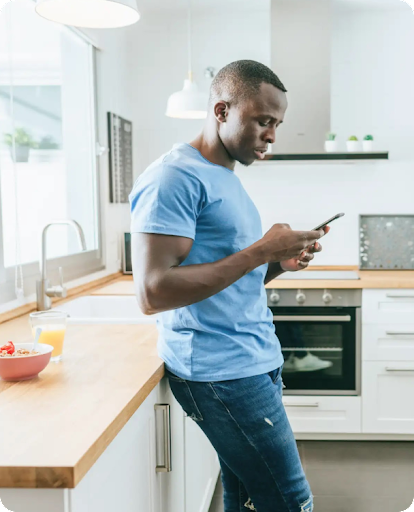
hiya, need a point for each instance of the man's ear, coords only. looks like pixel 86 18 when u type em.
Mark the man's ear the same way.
pixel 221 110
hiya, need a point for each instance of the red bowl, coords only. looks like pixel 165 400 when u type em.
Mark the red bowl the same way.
pixel 25 367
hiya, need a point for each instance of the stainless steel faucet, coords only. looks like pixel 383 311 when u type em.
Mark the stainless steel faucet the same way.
pixel 44 291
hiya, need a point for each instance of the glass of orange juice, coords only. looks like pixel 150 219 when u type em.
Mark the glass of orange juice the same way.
pixel 53 325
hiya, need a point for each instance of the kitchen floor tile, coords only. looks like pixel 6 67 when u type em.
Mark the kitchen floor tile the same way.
pixel 345 504
pixel 363 482
pixel 323 454
pixel 217 504
pixel 218 491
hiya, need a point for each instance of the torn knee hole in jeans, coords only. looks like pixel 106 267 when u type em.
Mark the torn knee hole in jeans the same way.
pixel 307 506
pixel 249 505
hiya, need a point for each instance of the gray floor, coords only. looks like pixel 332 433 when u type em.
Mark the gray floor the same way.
pixel 348 476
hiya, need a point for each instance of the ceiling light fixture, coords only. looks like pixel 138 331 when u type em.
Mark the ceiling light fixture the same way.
pixel 189 103
pixel 89 13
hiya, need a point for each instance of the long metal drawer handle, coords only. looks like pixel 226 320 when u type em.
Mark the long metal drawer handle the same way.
pixel 288 318
pixel 399 369
pixel 396 296
pixel 392 333
pixel 315 404
pixel 165 408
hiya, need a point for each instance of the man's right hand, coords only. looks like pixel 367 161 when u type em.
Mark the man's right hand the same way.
pixel 281 243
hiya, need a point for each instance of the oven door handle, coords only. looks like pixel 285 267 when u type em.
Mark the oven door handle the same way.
pixel 299 404
pixel 304 318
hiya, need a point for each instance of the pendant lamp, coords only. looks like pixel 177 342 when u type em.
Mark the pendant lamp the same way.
pixel 189 103
pixel 89 13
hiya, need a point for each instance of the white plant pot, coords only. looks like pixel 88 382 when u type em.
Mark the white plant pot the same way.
pixel 368 145
pixel 352 145
pixel 331 146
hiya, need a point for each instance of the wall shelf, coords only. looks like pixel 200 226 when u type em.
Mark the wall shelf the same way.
pixel 375 155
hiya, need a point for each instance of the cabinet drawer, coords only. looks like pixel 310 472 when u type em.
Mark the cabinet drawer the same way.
pixel 332 414
pixel 388 306
pixel 388 342
pixel 387 397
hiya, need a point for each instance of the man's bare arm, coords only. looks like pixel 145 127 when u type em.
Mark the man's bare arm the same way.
pixel 162 284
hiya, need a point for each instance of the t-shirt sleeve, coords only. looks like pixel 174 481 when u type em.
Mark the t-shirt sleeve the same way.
pixel 166 200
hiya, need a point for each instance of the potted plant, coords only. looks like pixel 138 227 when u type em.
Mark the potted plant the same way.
pixel 368 143
pixel 23 142
pixel 352 143
pixel 331 145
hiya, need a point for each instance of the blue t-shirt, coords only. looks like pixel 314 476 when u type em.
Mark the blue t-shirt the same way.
pixel 229 335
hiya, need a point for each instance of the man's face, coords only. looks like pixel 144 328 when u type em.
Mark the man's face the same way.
pixel 251 124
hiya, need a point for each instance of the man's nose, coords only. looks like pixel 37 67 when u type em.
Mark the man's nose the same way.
pixel 270 136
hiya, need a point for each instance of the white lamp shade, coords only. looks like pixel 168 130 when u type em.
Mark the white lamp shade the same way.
pixel 89 13
pixel 189 103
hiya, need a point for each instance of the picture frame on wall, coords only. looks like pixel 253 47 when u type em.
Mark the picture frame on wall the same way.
pixel 120 158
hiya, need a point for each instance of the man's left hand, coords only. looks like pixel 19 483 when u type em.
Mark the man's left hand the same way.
pixel 302 262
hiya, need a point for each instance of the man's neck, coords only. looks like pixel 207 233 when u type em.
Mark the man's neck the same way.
pixel 211 147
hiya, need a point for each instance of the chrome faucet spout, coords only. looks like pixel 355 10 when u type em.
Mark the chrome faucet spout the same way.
pixel 69 222
pixel 43 291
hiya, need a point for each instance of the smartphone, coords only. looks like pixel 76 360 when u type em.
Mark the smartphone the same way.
pixel 328 221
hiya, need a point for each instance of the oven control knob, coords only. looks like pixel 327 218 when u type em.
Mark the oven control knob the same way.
pixel 327 297
pixel 274 296
pixel 300 297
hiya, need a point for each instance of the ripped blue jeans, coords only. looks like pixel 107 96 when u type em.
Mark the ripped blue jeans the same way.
pixel 246 423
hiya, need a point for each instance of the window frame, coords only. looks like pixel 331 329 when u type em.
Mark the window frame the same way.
pixel 74 265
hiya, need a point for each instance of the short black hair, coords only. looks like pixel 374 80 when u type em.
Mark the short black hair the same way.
pixel 240 79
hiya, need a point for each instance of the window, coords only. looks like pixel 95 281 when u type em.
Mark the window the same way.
pixel 47 147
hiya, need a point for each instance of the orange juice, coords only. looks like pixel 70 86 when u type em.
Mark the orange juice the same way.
pixel 52 335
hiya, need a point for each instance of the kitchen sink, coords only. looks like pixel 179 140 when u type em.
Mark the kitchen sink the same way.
pixel 104 309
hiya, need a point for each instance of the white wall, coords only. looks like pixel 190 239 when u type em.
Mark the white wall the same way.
pixel 158 65
pixel 372 92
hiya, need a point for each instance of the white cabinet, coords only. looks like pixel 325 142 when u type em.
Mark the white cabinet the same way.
pixel 173 483
pixel 388 397
pixel 388 342
pixel 388 361
pixel 388 306
pixel 201 468
pixel 123 478
pixel 324 414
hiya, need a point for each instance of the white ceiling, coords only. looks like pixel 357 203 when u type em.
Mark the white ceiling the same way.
pixel 179 5
pixel 175 5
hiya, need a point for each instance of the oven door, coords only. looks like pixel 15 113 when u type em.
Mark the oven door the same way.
pixel 321 348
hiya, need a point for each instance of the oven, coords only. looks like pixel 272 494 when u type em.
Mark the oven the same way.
pixel 320 335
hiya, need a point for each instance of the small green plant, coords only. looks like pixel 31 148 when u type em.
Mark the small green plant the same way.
pixel 353 137
pixel 21 138
pixel 330 136
pixel 368 137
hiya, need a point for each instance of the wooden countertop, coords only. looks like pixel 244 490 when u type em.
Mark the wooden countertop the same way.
pixel 368 279
pixel 53 428
pixel 45 441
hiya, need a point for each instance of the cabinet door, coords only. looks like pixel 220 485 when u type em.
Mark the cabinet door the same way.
pixel 387 306
pixel 172 483
pixel 324 414
pixel 201 468
pixel 387 397
pixel 388 342
pixel 124 477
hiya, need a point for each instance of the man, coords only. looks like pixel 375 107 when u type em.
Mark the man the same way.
pixel 200 260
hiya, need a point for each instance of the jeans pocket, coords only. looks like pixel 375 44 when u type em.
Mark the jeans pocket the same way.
pixel 182 392
pixel 278 374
